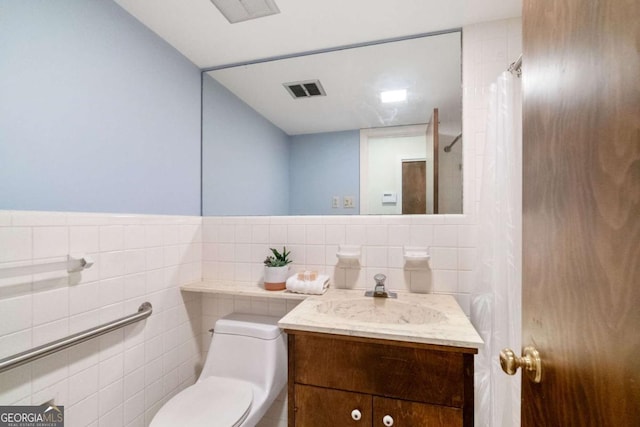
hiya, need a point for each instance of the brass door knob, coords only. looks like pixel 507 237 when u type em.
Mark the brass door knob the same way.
pixel 530 362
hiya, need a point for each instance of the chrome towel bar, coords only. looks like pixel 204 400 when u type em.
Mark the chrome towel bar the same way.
pixel 35 353
pixel 71 265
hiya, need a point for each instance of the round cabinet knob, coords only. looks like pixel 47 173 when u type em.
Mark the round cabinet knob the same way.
pixel 356 415
pixel 387 420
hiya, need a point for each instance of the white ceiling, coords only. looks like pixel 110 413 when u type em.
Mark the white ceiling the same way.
pixel 429 68
pixel 198 30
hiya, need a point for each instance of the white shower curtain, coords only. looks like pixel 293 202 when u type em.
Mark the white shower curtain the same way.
pixel 496 298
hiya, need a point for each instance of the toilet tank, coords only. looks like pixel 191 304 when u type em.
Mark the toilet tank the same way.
pixel 248 347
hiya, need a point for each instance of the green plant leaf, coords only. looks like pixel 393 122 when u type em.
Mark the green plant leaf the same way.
pixel 278 259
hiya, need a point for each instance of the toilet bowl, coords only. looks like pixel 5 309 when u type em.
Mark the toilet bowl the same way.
pixel 245 370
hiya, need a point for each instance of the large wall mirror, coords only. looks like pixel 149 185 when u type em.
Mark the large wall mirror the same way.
pixel 360 130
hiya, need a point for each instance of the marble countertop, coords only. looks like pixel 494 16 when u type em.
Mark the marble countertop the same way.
pixel 239 289
pixel 421 318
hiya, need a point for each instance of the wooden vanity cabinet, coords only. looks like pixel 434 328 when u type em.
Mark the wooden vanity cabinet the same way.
pixel 411 384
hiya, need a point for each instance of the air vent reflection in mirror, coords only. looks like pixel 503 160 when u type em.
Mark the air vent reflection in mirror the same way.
pixel 305 89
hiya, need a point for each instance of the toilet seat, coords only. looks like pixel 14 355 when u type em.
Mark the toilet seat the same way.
pixel 213 402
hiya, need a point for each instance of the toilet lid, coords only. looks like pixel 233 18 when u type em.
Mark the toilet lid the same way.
pixel 215 401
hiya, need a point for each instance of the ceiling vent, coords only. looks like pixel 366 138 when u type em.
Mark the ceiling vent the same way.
pixel 306 89
pixel 243 10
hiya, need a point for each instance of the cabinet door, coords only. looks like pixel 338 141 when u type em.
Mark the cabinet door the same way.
pixel 401 413
pixel 323 407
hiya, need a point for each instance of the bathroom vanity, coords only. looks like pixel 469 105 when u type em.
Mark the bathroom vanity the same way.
pixel 356 361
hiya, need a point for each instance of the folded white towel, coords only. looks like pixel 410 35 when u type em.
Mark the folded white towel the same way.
pixel 314 287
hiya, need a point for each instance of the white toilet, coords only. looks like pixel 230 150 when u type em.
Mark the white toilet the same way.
pixel 245 370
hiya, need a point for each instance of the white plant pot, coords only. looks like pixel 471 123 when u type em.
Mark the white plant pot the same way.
pixel 275 278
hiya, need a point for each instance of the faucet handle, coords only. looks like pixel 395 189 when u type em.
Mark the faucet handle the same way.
pixel 380 278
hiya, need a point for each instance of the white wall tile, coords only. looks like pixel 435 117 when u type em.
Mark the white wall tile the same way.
pixel 399 235
pixel 111 264
pixel 83 355
pixel 153 393
pixel 226 234
pixel 315 255
pixel 171 234
pixel 50 242
pixel 135 261
pixel 84 297
pixel 111 238
pixel 444 258
pixel 16 385
pixel 16 314
pixel 445 235
pixel 111 344
pixel 51 331
pixel 315 234
pixel 49 370
pixel 260 233
pixel 335 234
pixel 38 219
pixel 296 234
pixel 243 233
pixel 377 235
pixel 50 306
pixel 134 285
pixel 154 258
pixel 134 383
pixel 110 397
pixel 83 384
pixel 5 218
pixel 94 371
pixel 15 342
pixel 113 418
pixel 421 235
pixel 445 281
pixel 133 408
pixel 111 370
pixel 242 253
pixel 377 257
pixel 356 234
pixel 84 239
pixel 111 291
pixel 83 412
pixel 153 235
pixel 58 392
pixel 134 237
pixel 467 258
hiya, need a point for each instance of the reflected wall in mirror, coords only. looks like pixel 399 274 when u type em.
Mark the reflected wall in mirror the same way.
pixel 269 149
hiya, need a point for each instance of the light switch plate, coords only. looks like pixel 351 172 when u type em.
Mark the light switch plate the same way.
pixel 348 202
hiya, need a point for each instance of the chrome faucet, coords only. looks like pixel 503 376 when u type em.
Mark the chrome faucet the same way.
pixel 380 291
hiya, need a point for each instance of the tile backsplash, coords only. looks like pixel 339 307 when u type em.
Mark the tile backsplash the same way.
pixel 235 247
pixel 121 378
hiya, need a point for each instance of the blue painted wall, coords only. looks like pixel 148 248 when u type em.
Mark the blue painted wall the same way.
pixel 322 166
pixel 97 113
pixel 245 157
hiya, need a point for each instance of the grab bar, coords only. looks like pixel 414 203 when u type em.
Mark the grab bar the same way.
pixel 35 353
pixel 72 265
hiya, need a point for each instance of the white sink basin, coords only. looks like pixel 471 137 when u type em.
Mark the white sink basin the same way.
pixel 381 310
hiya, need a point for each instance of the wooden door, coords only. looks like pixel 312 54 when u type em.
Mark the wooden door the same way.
pixel 581 211
pixel 433 140
pixel 414 187
pixel 322 407
pixel 413 414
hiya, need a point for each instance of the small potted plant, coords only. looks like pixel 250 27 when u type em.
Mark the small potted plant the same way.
pixel 276 270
